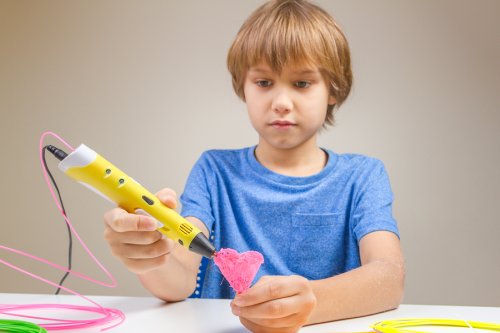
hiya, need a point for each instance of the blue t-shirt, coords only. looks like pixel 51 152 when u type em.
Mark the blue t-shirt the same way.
pixel 309 226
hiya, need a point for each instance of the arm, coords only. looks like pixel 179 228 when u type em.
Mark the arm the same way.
pixel 377 285
pixel 165 268
pixel 285 303
pixel 175 279
pixel 374 287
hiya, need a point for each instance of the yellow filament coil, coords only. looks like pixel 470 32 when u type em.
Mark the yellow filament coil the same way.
pixel 399 325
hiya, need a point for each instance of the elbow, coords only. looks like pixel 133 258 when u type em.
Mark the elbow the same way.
pixel 390 285
pixel 397 282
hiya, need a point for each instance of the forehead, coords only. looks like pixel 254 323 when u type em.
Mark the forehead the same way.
pixel 293 68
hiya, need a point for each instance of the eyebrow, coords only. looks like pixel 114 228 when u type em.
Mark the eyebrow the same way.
pixel 306 72
pixel 260 70
pixel 266 71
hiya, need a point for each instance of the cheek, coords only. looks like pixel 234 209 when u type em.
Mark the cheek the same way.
pixel 254 114
pixel 253 110
pixel 250 93
pixel 254 103
pixel 321 106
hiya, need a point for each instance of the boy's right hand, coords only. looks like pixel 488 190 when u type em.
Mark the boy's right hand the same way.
pixel 134 239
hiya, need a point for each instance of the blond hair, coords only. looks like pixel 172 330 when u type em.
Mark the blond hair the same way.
pixel 294 32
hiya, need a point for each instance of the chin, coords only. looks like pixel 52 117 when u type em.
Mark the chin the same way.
pixel 284 145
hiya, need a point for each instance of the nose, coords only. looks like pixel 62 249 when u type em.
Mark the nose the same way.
pixel 282 102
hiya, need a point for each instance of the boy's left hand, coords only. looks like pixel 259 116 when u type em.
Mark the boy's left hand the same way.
pixel 275 304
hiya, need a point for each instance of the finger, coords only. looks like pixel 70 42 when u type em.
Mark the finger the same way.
pixel 277 287
pixel 133 251
pixel 278 308
pixel 253 327
pixel 293 320
pixel 132 237
pixel 112 214
pixel 141 266
pixel 121 221
pixel 168 197
pixel 265 279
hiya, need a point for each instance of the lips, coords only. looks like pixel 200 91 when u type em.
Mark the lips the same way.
pixel 282 124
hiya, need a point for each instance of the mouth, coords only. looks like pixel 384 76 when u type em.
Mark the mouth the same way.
pixel 282 124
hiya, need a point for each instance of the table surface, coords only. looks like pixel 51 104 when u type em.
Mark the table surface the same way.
pixel 149 314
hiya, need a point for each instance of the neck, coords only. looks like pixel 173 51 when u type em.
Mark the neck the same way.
pixel 302 161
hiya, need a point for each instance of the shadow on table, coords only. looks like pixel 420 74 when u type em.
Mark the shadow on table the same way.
pixel 235 330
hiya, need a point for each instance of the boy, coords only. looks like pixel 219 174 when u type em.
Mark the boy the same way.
pixel 323 221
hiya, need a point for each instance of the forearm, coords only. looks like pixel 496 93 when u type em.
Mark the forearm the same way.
pixel 371 288
pixel 175 280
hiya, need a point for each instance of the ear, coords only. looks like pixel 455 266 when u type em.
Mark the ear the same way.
pixel 332 100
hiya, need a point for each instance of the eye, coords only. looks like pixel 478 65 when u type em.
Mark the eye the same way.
pixel 263 83
pixel 302 84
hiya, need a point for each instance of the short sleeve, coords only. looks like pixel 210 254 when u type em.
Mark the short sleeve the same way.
pixel 373 203
pixel 195 199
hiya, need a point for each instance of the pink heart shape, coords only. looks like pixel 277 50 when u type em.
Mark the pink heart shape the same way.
pixel 239 269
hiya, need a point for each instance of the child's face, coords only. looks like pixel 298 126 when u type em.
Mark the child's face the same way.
pixel 287 109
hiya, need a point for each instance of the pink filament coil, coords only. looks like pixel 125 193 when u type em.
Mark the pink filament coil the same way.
pixel 107 317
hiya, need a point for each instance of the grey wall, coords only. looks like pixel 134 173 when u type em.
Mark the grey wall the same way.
pixel 144 83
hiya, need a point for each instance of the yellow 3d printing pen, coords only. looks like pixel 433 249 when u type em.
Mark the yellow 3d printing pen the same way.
pixel 93 171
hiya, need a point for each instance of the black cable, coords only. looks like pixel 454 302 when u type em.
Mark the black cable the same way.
pixel 70 246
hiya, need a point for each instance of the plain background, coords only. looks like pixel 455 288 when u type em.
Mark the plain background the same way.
pixel 144 83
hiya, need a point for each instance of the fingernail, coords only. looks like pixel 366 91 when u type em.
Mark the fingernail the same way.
pixel 236 311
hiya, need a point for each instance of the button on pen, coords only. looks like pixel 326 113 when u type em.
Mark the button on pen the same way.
pixel 148 200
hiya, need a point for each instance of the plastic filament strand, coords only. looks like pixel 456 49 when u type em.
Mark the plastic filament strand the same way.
pixel 400 325
pixel 18 326
pixel 108 318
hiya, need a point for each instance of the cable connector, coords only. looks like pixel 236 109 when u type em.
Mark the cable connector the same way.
pixel 58 153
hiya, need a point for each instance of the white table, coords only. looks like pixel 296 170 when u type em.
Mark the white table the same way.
pixel 149 315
